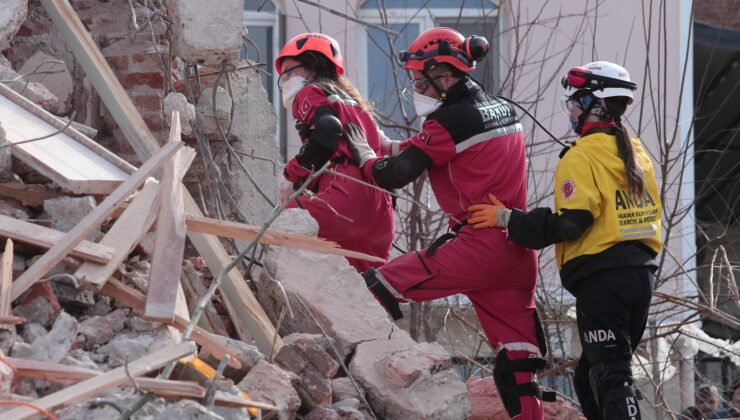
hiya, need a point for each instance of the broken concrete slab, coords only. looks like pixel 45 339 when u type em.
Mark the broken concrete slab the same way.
pixel 40 305
pixel 96 331
pixel 403 379
pixel 67 212
pixel 322 413
pixel 435 393
pixel 315 350
pixel 187 409
pixel 342 390
pixel 206 33
pixel 12 15
pixel 332 290
pixel 6 380
pixel 131 345
pixel 56 344
pixel 253 132
pixel 33 91
pixel 13 208
pixel 269 383
pixel 33 330
pixel 204 109
pixel 248 356
pixel 6 159
pixel 176 101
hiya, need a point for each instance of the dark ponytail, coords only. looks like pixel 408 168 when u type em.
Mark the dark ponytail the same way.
pixel 615 108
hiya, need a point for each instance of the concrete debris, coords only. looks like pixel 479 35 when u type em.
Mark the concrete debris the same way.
pixel 403 379
pixel 33 330
pixel 131 345
pixel 101 407
pixel 53 346
pixel 204 109
pixel 66 213
pixel 6 160
pixel 13 208
pixel 6 380
pixel 176 101
pixel 322 413
pixel 12 15
pixel 248 356
pixel 96 331
pixel 188 409
pixel 343 389
pixel 33 91
pixel 253 132
pixel 269 383
pixel 39 305
pixel 206 32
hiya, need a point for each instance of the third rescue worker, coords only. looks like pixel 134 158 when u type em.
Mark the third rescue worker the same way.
pixel 606 231
pixel 470 143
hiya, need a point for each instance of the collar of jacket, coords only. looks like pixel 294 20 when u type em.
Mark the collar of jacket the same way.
pixel 461 88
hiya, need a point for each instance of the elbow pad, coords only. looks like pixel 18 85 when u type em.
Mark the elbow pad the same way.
pixel 397 171
pixel 326 128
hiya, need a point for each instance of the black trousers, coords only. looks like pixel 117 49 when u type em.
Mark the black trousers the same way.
pixel 612 308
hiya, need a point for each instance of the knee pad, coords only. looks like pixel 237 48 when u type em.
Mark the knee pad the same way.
pixel 509 391
pixel 612 383
pixel 374 283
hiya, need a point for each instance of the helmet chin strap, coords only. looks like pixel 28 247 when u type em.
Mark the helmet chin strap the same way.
pixel 442 94
pixel 586 112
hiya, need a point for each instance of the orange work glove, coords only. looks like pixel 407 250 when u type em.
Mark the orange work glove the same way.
pixel 488 215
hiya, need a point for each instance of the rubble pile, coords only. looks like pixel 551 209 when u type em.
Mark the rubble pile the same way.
pixel 81 238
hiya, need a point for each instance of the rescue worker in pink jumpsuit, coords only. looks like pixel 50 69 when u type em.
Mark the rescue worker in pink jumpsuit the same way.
pixel 323 102
pixel 470 143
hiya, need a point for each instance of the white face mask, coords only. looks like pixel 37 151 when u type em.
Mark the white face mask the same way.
pixel 424 105
pixel 290 89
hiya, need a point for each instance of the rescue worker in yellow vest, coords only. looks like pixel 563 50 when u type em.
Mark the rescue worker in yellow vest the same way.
pixel 606 232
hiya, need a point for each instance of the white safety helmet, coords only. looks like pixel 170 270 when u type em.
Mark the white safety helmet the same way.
pixel 601 78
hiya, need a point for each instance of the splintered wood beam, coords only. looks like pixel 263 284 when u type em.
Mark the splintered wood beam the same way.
pixel 91 221
pixel 63 374
pixel 272 237
pixel 6 282
pixel 32 195
pixel 214 344
pixel 169 243
pixel 102 383
pixel 123 236
pixel 250 320
pixel 44 237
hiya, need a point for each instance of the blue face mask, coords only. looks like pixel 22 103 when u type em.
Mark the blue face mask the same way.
pixel 573 124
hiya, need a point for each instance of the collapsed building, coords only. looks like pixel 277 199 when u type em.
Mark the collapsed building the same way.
pixel 99 282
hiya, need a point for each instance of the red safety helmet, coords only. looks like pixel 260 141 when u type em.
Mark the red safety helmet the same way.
pixel 320 43
pixel 444 45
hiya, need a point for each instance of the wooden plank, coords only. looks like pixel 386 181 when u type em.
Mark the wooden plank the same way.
pixel 91 221
pixel 125 233
pixel 169 243
pixel 12 320
pixel 272 237
pixel 63 374
pixel 60 157
pixel 250 320
pixel 105 382
pixel 226 400
pixel 6 282
pixel 215 345
pixel 44 237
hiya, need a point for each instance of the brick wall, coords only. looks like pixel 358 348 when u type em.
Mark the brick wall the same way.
pixel 132 57
pixel 722 13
